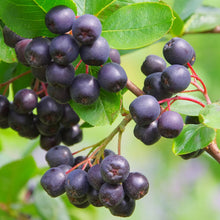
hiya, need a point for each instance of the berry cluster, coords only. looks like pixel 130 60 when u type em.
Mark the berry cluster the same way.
pixel 161 84
pixel 109 183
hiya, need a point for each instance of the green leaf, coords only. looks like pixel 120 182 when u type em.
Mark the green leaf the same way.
pixel 26 17
pixel 213 3
pixel 188 107
pixel 13 177
pixel 31 147
pixel 104 111
pixel 137 25
pixel 205 18
pixel 178 25
pixel 86 125
pixel 7 54
pixel 24 81
pixel 210 115
pixel 80 4
pixel 185 8
pixel 48 207
pixel 192 138
pixel 6 73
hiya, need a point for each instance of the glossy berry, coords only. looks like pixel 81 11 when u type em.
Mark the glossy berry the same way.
pixel 39 73
pixel 71 135
pixel 148 134
pixel 10 37
pixel 192 155
pixel 78 160
pixel 76 184
pixel 76 201
pixel 175 78
pixel 53 181
pixel 64 49
pixel 86 29
pixel 144 109
pixel 95 54
pixel 84 89
pixel 136 185
pixel 59 19
pixel 60 94
pixel 70 117
pixel 93 197
pixel 47 130
pixel 114 169
pixel 37 52
pixel 94 177
pixel 47 142
pixel 30 131
pixel 65 168
pixel 49 111
pixel 4 108
pixel 153 86
pixel 25 100
pixel 82 206
pixel 20 50
pixel 60 76
pixel 112 77
pixel 178 51
pixel 58 155
pixel 125 208
pixel 170 124
pixel 114 55
pixel 153 64
pixel 111 195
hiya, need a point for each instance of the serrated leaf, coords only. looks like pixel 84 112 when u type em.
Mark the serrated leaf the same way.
pixel 210 115
pixel 26 17
pixel 145 23
pixel 185 8
pixel 205 18
pixel 48 207
pixel 7 54
pixel 188 107
pixel 192 138
pixel 13 177
pixel 103 111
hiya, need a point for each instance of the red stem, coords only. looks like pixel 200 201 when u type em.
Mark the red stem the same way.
pixel 44 88
pixel 77 66
pixel 87 69
pixel 6 89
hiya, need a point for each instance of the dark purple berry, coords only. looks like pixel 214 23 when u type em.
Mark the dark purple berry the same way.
pixel 144 109
pixel 64 49
pixel 37 52
pixel 86 29
pixel 39 73
pixel 112 77
pixel 153 86
pixel 178 51
pixel 153 64
pixel 192 155
pixel 77 185
pixel 115 56
pixel 93 197
pixel 95 54
pixel 94 177
pixel 71 135
pixel 114 169
pixel 53 181
pixel 148 134
pixel 85 89
pixel 59 19
pixel 111 195
pixel 175 78
pixel 136 185
pixel 47 130
pixel 170 124
pixel 25 100
pixel 47 142
pixel 58 155
pixel 4 108
pixel 76 201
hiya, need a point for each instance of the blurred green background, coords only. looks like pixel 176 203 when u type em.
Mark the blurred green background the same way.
pixel 179 189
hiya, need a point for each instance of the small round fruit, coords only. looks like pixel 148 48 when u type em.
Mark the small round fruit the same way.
pixel 95 54
pixel 94 177
pixel 115 56
pixel 86 29
pixel 4 108
pixel 84 89
pixel 112 77
pixel 114 169
pixel 59 19
pixel 153 64
pixel 136 185
pixel 170 124
pixel 47 142
pixel 144 109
